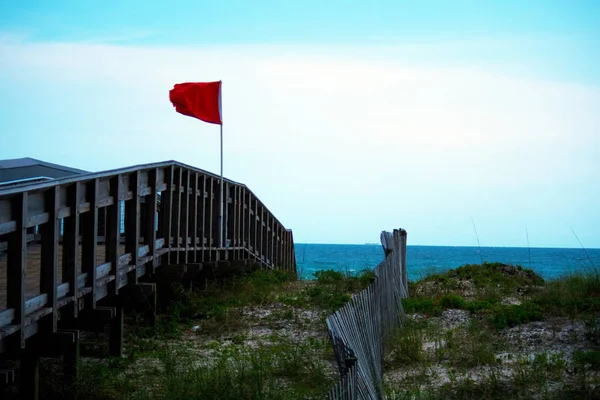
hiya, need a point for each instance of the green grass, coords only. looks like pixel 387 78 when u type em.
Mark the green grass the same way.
pixel 158 364
pixel 476 358
pixel 572 296
pixel 279 370
pixel 219 304
pixel 487 275
pixel 330 291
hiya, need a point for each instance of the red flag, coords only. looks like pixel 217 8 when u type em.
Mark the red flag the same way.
pixel 200 100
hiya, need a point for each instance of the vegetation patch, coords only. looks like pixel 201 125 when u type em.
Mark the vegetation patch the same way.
pixel 257 336
pixel 330 290
pixel 497 331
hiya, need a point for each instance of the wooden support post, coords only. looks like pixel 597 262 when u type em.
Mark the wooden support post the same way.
pixel 115 341
pixel 293 253
pixel 16 272
pixel 90 239
pixel 150 217
pixel 249 225
pixel 185 214
pixel 30 375
pixel 254 218
pixel 176 223
pixel 205 227
pixel 70 259
pixel 194 217
pixel 71 360
pixel 261 227
pixel 243 221
pixel 113 229
pixel 266 236
pixel 211 215
pixel 280 246
pixel 290 250
pixel 132 225
pixel 273 237
pixel 49 255
pixel 166 204
pixel 285 250
pixel 239 204
pixel 275 242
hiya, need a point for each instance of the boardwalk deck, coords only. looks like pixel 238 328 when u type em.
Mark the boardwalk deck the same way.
pixel 82 239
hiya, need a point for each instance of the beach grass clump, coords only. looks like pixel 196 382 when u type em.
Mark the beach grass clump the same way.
pixel 279 370
pixel 407 344
pixel 504 316
pixel 487 279
pixel 490 285
pixel 571 295
pixel 468 346
pixel 497 331
pixel 330 290
pixel 219 303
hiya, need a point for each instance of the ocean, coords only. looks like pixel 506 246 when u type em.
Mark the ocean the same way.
pixel 421 260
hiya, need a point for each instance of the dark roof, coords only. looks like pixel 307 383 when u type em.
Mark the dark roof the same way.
pixel 28 162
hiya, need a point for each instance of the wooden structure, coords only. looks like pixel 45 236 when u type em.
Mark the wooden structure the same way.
pixel 68 245
pixel 360 329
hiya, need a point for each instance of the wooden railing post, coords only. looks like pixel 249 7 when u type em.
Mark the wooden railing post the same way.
pixel 16 273
pixel 239 209
pixel 243 220
pixel 209 212
pixel 255 221
pixel 132 225
pixel 70 261
pixel 293 253
pixel 151 217
pixel 193 227
pixel 90 238
pixel 259 232
pixel 205 223
pixel 166 204
pixel 176 222
pixel 49 256
pixel 113 228
pixel 250 224
pixel 185 215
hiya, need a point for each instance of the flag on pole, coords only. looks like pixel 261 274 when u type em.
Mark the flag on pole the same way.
pixel 200 100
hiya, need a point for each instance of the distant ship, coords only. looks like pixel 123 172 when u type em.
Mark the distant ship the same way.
pixel 371 243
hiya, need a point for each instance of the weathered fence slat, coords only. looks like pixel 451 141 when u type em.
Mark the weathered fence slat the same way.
pixel 360 329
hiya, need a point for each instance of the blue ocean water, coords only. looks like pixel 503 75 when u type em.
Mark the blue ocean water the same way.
pixel 422 260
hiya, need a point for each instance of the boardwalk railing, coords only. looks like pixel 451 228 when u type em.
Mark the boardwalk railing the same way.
pixel 360 329
pixel 80 239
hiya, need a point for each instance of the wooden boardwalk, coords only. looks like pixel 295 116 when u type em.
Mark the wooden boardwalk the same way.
pixel 78 240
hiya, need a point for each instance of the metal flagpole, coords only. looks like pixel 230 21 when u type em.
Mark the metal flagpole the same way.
pixel 222 198
pixel 221 239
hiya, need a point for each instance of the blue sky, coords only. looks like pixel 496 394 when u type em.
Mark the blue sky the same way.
pixel 345 118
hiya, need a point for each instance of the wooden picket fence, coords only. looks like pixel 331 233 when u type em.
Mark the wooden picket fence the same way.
pixel 361 328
